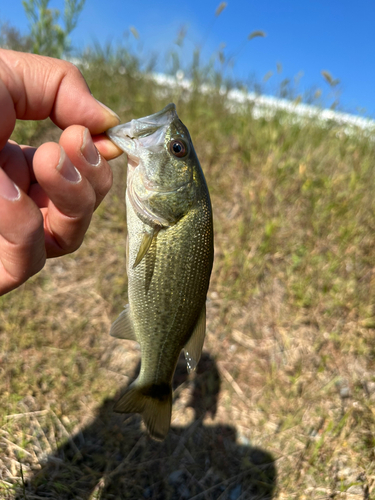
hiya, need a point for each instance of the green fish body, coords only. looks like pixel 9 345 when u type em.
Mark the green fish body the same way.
pixel 169 259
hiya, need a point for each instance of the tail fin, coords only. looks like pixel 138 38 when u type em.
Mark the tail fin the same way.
pixel 154 402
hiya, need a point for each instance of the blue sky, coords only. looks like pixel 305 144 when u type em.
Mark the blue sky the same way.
pixel 304 36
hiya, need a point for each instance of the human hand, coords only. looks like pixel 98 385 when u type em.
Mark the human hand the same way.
pixel 48 195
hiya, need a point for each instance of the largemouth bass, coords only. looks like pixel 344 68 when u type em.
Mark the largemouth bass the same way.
pixel 169 259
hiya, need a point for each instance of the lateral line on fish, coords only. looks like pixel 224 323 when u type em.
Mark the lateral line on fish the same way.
pixel 162 347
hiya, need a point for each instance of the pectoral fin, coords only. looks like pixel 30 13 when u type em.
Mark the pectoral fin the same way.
pixel 122 327
pixel 145 245
pixel 193 348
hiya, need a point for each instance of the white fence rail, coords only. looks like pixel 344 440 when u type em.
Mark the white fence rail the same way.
pixel 267 106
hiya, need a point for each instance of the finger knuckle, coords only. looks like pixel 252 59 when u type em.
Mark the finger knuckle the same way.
pixel 34 226
pixel 106 182
pixel 90 203
pixel 71 68
pixel 71 246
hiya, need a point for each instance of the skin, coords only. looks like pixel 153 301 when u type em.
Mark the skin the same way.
pixel 48 194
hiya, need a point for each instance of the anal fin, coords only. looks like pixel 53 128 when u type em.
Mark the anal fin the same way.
pixel 193 348
pixel 122 327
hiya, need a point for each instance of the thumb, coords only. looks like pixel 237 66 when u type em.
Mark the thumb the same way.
pixel 39 87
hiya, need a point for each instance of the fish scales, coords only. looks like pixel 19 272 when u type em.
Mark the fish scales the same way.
pixel 181 264
pixel 169 259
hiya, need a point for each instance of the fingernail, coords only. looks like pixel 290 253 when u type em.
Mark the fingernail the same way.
pixel 8 189
pixel 118 119
pixel 67 169
pixel 88 149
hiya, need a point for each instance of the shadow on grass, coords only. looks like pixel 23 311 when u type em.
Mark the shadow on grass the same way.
pixel 113 458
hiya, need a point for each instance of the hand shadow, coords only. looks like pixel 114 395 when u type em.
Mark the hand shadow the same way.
pixel 113 457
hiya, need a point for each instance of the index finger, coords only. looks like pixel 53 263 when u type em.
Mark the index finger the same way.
pixel 37 87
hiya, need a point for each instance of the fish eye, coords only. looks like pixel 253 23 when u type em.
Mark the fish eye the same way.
pixel 178 148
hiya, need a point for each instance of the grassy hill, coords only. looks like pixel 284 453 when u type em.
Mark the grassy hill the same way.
pixel 282 405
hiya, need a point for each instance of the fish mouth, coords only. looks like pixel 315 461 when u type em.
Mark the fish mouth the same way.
pixel 147 132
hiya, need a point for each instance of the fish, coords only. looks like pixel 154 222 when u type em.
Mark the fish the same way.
pixel 169 258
